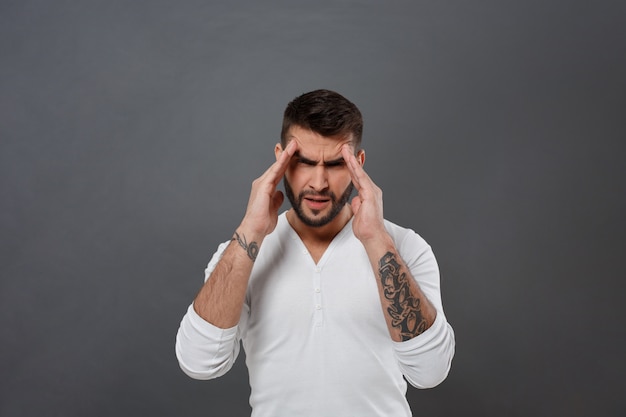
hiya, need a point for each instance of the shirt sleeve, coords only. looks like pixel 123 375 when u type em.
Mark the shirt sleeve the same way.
pixel 425 360
pixel 203 350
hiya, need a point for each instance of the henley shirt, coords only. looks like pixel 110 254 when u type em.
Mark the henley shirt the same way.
pixel 315 337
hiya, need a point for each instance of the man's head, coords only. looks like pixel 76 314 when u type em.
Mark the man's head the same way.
pixel 317 181
pixel 324 112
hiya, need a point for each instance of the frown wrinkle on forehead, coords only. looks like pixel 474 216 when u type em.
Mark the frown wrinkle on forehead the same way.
pixel 315 147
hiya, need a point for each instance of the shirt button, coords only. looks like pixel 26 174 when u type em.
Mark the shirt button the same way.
pixel 318 307
pixel 305 251
pixel 317 290
pixel 318 269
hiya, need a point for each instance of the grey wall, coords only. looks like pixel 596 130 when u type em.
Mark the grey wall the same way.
pixel 130 133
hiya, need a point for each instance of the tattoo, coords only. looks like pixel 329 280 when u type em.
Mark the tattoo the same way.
pixel 251 248
pixel 404 308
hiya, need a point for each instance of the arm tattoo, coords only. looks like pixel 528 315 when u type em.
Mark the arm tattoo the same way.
pixel 251 248
pixel 404 308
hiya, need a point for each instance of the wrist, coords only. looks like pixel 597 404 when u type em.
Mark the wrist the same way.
pixel 248 240
pixel 251 230
pixel 378 242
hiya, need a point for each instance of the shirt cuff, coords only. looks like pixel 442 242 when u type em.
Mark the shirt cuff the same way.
pixel 208 330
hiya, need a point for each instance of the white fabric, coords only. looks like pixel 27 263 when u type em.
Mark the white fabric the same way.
pixel 315 337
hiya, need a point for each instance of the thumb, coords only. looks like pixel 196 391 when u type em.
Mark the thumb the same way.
pixel 356 204
pixel 277 200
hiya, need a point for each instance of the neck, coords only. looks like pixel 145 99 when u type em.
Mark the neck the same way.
pixel 323 234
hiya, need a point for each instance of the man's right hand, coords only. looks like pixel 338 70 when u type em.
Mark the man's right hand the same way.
pixel 262 212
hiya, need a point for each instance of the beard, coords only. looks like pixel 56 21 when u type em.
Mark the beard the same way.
pixel 335 208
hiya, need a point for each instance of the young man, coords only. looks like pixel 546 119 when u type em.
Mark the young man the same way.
pixel 335 305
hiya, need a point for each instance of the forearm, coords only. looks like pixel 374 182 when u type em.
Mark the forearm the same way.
pixel 221 298
pixel 406 308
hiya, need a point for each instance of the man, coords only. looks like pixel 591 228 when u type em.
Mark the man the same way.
pixel 333 303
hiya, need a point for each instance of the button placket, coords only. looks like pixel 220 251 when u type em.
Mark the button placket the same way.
pixel 317 296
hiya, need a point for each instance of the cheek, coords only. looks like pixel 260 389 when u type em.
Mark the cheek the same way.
pixel 294 176
pixel 340 178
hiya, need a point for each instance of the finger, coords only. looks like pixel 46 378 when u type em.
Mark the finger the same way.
pixel 359 176
pixel 348 155
pixel 285 157
pixel 276 171
pixel 277 200
pixel 356 204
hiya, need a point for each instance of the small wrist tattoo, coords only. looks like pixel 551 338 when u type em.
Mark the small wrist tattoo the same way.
pixel 252 248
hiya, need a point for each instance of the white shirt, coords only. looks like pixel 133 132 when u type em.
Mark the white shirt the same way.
pixel 315 337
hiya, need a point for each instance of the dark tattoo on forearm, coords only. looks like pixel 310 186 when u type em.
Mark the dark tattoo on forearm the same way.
pixel 404 308
pixel 251 248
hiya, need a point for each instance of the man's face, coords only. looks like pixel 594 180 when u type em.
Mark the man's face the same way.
pixel 317 181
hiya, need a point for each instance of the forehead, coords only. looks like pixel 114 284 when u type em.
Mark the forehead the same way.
pixel 314 145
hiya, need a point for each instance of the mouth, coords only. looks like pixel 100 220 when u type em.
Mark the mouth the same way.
pixel 316 203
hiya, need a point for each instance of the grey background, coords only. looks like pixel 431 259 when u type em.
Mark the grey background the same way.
pixel 130 133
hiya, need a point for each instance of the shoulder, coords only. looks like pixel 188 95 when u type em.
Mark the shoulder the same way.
pixel 404 236
pixel 410 245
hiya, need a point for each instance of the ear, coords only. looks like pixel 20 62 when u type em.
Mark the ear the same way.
pixel 360 156
pixel 278 150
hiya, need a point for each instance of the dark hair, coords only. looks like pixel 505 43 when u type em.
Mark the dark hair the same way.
pixel 325 112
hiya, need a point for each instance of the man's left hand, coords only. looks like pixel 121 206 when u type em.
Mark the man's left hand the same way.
pixel 367 206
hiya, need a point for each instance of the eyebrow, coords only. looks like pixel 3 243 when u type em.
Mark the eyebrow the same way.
pixel 307 161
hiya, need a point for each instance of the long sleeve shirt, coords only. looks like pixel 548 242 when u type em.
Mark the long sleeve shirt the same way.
pixel 315 336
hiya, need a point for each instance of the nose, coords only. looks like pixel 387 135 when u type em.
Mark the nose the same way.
pixel 319 178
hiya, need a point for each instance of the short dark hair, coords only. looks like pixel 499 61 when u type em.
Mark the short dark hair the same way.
pixel 325 112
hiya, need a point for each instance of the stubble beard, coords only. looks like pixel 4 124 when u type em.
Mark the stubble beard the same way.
pixel 335 209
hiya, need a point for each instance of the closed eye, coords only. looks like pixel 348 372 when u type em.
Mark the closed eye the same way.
pixel 335 164
pixel 306 162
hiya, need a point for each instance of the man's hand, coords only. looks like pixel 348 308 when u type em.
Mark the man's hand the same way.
pixel 262 212
pixel 367 207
